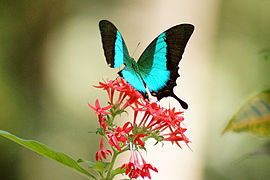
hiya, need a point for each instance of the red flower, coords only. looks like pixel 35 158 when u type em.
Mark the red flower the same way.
pixel 176 136
pixel 102 153
pixel 109 87
pixel 113 140
pixel 134 97
pixel 146 170
pixel 99 110
pixel 131 170
pixel 102 121
pixel 137 167
pixel 123 132
pixel 119 135
pixel 137 139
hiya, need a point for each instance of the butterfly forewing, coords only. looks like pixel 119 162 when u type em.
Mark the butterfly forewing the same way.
pixel 114 47
pixel 159 62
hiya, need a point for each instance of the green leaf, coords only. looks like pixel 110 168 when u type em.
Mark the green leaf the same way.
pixel 119 171
pixel 80 160
pixel 43 150
pixel 253 116
pixel 99 166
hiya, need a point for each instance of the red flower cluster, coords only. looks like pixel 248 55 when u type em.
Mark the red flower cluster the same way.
pixel 126 92
pixel 158 119
pixel 155 122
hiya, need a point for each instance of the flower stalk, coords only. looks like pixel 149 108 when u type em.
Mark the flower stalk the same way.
pixel 110 175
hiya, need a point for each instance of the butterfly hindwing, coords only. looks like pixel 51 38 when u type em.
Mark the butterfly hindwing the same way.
pixel 153 64
pixel 115 49
pixel 159 62
pixel 134 79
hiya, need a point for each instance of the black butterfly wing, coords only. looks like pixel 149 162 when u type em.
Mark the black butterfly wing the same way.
pixel 159 62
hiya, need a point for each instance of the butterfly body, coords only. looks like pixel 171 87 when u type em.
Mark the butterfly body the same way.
pixel 157 68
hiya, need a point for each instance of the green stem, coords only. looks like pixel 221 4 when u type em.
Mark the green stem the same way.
pixel 110 175
pixel 101 175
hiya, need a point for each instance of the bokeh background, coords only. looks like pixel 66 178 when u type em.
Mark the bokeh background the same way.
pixel 51 55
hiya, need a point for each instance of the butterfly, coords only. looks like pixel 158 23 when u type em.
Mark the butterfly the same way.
pixel 157 67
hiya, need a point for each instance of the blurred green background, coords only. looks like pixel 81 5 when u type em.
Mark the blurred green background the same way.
pixel 51 55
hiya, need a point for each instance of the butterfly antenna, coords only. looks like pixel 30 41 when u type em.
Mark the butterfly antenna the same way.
pixel 182 103
pixel 136 48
